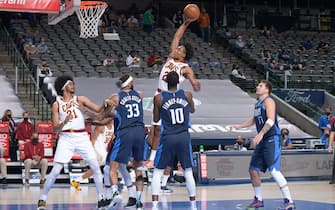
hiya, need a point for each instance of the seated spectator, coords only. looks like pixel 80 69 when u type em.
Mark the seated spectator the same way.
pixel 307 45
pixel 29 49
pixel 29 36
pixel 273 32
pixel 3 167
pixel 236 73
pixel 122 21
pixel 286 140
pixel 178 19
pixel 34 157
pixel 132 22
pixel 154 59
pixel 140 21
pixel 323 47
pixel 120 61
pixel 239 144
pixel 133 60
pixel 104 27
pixel 42 71
pixel 274 64
pixel 239 43
pixel 251 43
pixel 42 47
pixel 24 130
pixel 109 61
pixel 113 29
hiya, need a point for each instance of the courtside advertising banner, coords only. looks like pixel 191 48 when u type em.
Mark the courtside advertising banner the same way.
pixel 4 138
pixel 44 131
pixel 41 6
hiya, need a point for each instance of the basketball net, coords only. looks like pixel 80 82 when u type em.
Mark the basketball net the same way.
pixel 89 15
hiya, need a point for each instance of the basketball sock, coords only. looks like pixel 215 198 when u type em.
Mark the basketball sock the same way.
pixel 155 204
pixel 282 183
pixel 139 195
pixel 190 183
pixel 193 204
pixel 165 179
pixel 286 193
pixel 97 177
pixel 132 191
pixel 57 167
pixel 125 174
pixel 114 189
pixel 258 193
pixel 107 179
pixel 109 192
pixel 156 181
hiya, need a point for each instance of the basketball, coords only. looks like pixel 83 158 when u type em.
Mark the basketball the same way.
pixel 192 11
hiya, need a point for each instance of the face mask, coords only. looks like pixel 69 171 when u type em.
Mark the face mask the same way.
pixel 25 119
pixel 9 116
pixel 327 113
pixel 35 140
pixel 240 143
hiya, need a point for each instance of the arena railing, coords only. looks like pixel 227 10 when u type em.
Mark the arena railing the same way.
pixel 24 76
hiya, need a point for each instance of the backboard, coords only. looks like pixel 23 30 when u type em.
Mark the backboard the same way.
pixel 66 9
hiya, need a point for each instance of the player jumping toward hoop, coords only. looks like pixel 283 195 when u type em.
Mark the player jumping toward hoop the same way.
pixel 176 61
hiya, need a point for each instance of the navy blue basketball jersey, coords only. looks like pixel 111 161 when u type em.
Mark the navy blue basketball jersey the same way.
pixel 260 119
pixel 129 112
pixel 174 112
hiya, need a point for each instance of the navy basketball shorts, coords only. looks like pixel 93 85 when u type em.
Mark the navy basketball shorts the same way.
pixel 129 142
pixel 266 155
pixel 171 146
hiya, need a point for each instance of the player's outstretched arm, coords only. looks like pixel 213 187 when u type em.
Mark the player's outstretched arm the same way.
pixel 179 34
pixel 245 124
pixel 189 74
pixel 191 102
pixel 89 104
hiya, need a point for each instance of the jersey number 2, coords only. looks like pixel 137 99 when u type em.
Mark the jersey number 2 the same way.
pixel 133 110
pixel 177 116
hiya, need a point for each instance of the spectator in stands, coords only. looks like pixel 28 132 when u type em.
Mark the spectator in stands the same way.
pixel 251 43
pixel 29 49
pixel 132 22
pixel 324 126
pixel 140 21
pixel 29 35
pixel 148 20
pixel 307 45
pixel 122 21
pixel 133 60
pixel 273 32
pixel 42 71
pixel 109 61
pixel 240 43
pixel 154 59
pixel 34 157
pixel 3 166
pixel 42 47
pixel 8 117
pixel 239 144
pixel 178 19
pixel 266 32
pixel 204 24
pixel 24 130
pixel 323 47
pixel 286 139
pixel 113 28
pixel 103 28
pixel 265 54
pixel 120 62
pixel 236 72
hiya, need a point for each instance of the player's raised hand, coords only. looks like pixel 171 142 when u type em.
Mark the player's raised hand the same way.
pixel 196 86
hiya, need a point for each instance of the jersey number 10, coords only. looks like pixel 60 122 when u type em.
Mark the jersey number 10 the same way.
pixel 177 116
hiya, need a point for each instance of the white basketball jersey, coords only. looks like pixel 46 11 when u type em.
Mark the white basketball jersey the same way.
pixel 78 121
pixel 171 65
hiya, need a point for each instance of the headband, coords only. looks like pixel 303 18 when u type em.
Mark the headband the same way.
pixel 125 83
pixel 66 83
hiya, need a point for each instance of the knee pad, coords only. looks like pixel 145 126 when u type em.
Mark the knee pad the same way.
pixel 278 177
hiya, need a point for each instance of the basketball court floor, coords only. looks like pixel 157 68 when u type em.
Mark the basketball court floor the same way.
pixel 318 195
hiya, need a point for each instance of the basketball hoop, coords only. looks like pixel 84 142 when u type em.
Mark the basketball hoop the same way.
pixel 89 15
